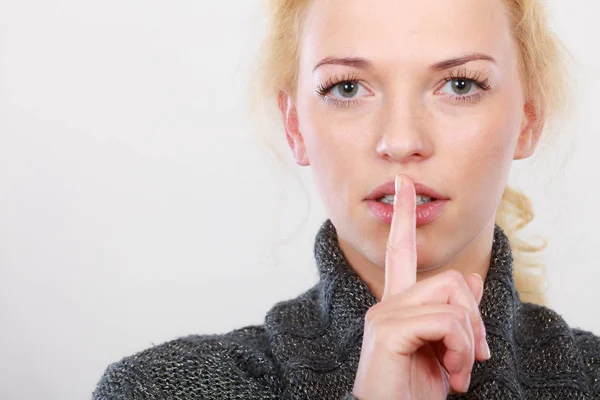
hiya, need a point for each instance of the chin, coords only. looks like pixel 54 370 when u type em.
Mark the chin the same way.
pixel 426 261
pixel 427 268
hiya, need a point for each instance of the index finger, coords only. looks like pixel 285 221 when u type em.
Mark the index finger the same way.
pixel 401 249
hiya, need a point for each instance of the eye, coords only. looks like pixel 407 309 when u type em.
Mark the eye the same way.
pixel 460 86
pixel 346 90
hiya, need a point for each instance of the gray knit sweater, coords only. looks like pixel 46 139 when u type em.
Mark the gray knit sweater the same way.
pixel 309 347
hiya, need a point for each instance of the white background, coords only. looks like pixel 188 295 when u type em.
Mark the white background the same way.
pixel 137 205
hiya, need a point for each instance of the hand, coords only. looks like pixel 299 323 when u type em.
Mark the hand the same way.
pixel 422 338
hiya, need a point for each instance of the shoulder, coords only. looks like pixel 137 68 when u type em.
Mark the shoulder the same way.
pixel 541 321
pixel 589 349
pixel 588 342
pixel 545 326
pixel 237 364
pixel 552 323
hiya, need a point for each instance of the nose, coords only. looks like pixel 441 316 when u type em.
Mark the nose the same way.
pixel 404 132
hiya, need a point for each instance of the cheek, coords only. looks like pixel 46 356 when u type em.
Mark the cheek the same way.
pixel 332 141
pixel 488 144
pixel 338 147
pixel 323 147
pixel 481 154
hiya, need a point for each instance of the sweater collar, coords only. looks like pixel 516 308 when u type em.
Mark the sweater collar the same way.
pixel 320 332
pixel 345 296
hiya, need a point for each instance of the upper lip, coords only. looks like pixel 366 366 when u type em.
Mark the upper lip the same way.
pixel 420 190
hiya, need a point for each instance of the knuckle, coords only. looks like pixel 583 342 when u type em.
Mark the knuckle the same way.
pixel 382 336
pixel 370 316
pixel 455 277
pixel 382 331
pixel 464 314
pixel 373 318
pixel 458 321
pixel 448 322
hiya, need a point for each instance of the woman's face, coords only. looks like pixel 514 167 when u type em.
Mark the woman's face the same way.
pixel 399 106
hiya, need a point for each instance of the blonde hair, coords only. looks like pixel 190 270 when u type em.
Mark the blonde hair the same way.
pixel 542 61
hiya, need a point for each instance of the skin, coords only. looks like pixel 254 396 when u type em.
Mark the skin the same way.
pixel 404 118
pixel 422 338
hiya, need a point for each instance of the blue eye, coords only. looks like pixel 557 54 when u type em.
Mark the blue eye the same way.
pixel 342 91
pixel 463 88
pixel 347 89
pixel 460 86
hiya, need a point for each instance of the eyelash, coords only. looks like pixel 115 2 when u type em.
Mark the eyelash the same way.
pixel 323 89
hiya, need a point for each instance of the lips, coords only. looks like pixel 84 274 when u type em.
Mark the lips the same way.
pixel 388 188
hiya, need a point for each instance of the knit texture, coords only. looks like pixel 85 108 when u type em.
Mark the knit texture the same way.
pixel 309 347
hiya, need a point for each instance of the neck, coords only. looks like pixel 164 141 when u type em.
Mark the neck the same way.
pixel 475 257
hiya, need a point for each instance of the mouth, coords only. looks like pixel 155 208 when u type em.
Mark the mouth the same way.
pixel 389 199
pixel 430 203
pixel 385 194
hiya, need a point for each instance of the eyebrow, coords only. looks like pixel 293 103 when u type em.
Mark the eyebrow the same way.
pixel 454 62
pixel 363 63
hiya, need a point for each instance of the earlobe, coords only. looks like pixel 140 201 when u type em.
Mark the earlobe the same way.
pixel 531 130
pixel 292 129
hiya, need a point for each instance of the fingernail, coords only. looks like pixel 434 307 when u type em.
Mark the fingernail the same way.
pixel 485 348
pixel 466 388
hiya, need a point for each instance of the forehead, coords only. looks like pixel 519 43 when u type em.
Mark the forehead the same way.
pixel 423 30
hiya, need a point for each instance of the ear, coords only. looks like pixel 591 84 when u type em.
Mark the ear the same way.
pixel 532 126
pixel 289 114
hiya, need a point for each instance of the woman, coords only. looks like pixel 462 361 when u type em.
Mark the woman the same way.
pixel 410 115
